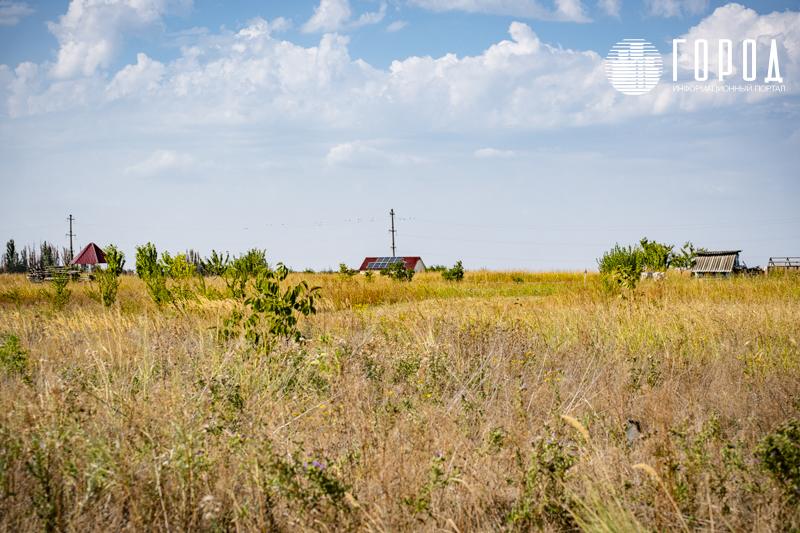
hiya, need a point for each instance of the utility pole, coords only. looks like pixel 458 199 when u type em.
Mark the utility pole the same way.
pixel 392 231
pixel 71 235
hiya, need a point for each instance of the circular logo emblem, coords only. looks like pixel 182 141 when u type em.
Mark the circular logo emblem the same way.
pixel 633 66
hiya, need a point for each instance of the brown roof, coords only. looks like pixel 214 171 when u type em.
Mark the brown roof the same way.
pixel 90 255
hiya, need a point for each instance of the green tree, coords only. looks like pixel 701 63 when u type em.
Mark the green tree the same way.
pixel 216 264
pixel 244 268
pixel 267 312
pixel 398 271
pixel 657 256
pixel 108 278
pixel 151 271
pixel 48 255
pixel 621 267
pixel 61 292
pixel 346 271
pixel 686 256
pixel 454 274
pixel 11 261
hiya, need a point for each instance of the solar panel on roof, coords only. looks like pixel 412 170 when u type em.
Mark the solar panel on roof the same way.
pixel 383 262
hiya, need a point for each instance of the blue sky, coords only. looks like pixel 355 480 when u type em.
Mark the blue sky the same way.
pixel 488 125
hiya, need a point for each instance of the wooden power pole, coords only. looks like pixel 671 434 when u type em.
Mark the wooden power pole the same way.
pixel 392 231
pixel 71 235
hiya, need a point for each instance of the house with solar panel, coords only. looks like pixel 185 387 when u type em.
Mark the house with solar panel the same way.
pixel 379 263
pixel 717 263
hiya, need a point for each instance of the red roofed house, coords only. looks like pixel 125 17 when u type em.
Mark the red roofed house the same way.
pixel 379 263
pixel 90 255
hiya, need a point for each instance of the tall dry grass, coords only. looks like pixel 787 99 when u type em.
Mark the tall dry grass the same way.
pixel 413 406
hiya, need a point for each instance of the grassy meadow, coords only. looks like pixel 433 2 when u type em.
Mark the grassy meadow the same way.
pixel 509 401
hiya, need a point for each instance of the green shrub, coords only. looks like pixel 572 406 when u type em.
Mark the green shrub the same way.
pixel 244 268
pixel 346 271
pixel 108 278
pixel 454 274
pixel 398 271
pixel 149 269
pixel 685 257
pixel 216 264
pixel 168 279
pixel 13 359
pixel 544 498
pixel 621 267
pixel 268 313
pixel 61 292
pixel 779 453
pixel 656 256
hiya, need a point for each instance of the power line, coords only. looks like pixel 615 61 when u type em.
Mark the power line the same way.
pixel 617 227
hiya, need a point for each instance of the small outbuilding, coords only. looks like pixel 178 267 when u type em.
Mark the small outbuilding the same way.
pixel 716 263
pixel 90 255
pixel 379 263
pixel 783 264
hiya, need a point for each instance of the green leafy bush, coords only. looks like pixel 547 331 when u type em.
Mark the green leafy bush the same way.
pixel 621 267
pixel 268 312
pixel 544 498
pixel 685 257
pixel 244 268
pixel 108 278
pixel 346 271
pixel 398 271
pixel 454 274
pixel 216 264
pixel 656 256
pixel 13 359
pixel 61 292
pixel 171 280
pixel 779 453
pixel 151 271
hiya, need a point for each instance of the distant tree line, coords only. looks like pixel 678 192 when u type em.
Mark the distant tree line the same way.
pixel 29 258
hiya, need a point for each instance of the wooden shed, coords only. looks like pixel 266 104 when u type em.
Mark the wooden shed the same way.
pixel 783 264
pixel 716 263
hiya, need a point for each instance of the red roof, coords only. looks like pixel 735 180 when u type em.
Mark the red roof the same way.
pixel 90 255
pixel 379 263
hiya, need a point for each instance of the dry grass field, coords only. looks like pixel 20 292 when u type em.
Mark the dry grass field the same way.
pixel 508 401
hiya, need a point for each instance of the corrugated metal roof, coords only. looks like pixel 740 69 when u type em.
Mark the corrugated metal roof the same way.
pixel 722 262
pixel 379 263
pixel 90 255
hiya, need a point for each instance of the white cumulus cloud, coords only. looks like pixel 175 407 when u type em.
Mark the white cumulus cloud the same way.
pixel 252 77
pixel 141 78
pixel 336 15
pixel 90 32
